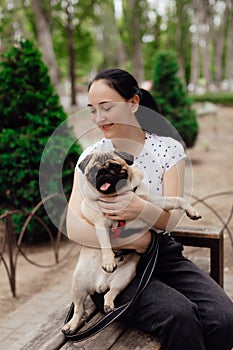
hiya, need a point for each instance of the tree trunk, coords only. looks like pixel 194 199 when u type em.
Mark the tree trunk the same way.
pixel 206 60
pixel 180 36
pixel 122 55
pixel 219 40
pixel 229 61
pixel 71 52
pixel 206 57
pixel 195 67
pixel 109 41
pixel 138 62
pixel 45 41
pixel 136 39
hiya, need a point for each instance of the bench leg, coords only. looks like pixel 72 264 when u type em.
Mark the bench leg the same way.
pixel 216 261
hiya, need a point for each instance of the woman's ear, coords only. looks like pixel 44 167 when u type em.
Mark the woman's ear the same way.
pixel 134 103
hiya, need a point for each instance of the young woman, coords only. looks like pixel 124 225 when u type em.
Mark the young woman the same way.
pixel 182 306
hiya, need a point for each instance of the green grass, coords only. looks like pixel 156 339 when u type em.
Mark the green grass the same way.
pixel 224 98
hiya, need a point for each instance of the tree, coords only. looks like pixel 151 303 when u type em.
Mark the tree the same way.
pixel 108 39
pixel 45 39
pixel 219 33
pixel 70 19
pixel 150 48
pixel 182 39
pixel 63 30
pixel 12 23
pixel 30 112
pixel 229 56
pixel 209 29
pixel 132 28
pixel 195 66
pixel 86 36
pixel 172 97
pixel 206 47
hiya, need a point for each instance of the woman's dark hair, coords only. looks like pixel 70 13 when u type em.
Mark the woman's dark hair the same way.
pixel 148 116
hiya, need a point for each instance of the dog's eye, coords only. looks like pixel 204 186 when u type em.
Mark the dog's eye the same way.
pixel 94 170
pixel 115 167
pixel 101 172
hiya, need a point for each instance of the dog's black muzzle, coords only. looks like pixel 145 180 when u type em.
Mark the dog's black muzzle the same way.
pixel 116 178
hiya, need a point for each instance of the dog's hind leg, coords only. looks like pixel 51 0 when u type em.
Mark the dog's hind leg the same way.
pixel 79 295
pixel 109 299
pixel 78 317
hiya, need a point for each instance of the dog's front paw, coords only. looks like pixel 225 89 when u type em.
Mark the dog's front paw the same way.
pixel 109 266
pixel 192 213
pixel 68 328
pixel 73 324
pixel 108 260
pixel 108 308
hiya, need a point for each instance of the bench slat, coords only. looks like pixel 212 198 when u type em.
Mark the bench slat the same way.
pixel 198 232
pixel 48 335
pixel 103 340
pixel 134 339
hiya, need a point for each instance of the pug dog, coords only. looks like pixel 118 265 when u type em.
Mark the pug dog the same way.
pixel 110 173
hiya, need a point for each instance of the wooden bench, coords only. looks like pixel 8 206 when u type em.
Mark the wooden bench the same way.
pixel 211 238
pixel 118 336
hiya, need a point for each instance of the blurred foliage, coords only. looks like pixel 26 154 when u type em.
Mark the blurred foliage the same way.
pixel 172 97
pixel 224 98
pixel 17 22
pixel 30 112
pixel 104 35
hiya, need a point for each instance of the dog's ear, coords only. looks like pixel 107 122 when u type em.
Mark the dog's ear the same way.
pixel 129 158
pixel 83 164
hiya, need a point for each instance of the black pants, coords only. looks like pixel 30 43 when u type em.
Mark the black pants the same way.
pixel 184 307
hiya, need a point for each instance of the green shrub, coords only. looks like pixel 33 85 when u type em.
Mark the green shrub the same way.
pixel 224 98
pixel 30 112
pixel 172 98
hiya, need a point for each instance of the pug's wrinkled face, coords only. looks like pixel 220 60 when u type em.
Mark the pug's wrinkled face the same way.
pixel 108 172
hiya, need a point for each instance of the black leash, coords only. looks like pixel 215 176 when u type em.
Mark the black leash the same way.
pixel 113 315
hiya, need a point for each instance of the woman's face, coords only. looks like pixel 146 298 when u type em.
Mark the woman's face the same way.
pixel 113 114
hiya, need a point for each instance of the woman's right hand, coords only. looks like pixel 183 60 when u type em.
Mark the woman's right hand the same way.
pixel 84 233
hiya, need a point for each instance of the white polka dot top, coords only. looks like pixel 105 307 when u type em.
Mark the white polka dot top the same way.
pixel 157 156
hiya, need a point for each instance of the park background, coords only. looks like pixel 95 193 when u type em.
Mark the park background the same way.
pixel 78 38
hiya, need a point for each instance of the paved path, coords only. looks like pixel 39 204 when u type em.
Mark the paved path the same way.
pixel 20 323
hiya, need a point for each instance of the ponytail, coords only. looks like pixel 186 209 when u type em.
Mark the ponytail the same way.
pixel 149 117
pixel 147 100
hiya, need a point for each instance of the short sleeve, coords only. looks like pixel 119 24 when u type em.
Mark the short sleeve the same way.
pixel 87 151
pixel 175 152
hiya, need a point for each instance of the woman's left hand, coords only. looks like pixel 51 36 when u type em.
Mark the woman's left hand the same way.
pixel 125 206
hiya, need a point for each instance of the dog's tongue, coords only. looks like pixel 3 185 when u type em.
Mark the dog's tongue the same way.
pixel 105 186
